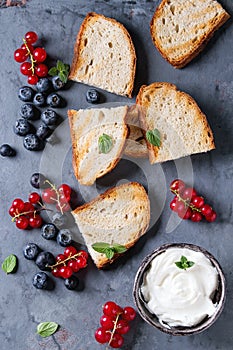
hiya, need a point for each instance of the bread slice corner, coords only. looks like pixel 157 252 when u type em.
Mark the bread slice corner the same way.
pixel 104 55
pixel 181 29
pixel 183 127
pixel 120 215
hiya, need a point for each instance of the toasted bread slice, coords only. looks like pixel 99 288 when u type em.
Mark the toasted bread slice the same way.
pixel 120 215
pixel 180 29
pixel 135 145
pixel 86 127
pixel 183 128
pixel 104 55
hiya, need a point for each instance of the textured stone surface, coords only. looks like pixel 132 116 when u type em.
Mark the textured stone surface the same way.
pixel 209 80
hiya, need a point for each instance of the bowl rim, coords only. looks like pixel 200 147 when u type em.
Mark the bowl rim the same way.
pixel 200 327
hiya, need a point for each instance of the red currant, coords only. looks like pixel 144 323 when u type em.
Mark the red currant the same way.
pixel 122 327
pixel 69 251
pixel 34 198
pixel 196 216
pixel 206 210
pixel 18 204
pixel 83 253
pixel 177 185
pixel 107 322
pixel 129 313
pixel 180 207
pixel 26 48
pixel 41 70
pixel 197 201
pixel 39 54
pixel 73 265
pixel 26 68
pixel 65 207
pixel 56 272
pixel 20 55
pixel 66 272
pixel 111 309
pixel 63 199
pixel 33 79
pixel 102 336
pixel 117 341
pixel 212 217
pixel 22 222
pixel 12 211
pixel 187 214
pixel 174 203
pixel 188 193
pixel 31 37
pixel 35 221
pixel 81 262
pixel 65 189
pixel 49 195
pixel 60 258
pixel 28 207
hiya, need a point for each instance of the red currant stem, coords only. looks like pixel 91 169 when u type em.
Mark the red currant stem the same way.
pixel 31 56
pixel 114 327
pixel 62 262
pixel 57 193
pixel 186 202
pixel 29 212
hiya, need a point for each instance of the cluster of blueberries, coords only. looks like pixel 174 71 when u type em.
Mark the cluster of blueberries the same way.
pixel 46 95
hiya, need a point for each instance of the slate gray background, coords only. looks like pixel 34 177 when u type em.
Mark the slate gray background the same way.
pixel 209 80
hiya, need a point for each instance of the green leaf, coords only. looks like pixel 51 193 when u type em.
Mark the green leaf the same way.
pixel 53 71
pixel 184 263
pixel 183 259
pixel 67 67
pixel 153 136
pixel 118 248
pixel 100 247
pixel 45 329
pixel 105 143
pixel 63 76
pixel 60 66
pixel 9 264
pixel 179 264
pixel 109 252
pixel 190 263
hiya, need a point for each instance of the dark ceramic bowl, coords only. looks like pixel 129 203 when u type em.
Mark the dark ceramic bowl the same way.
pixel 152 319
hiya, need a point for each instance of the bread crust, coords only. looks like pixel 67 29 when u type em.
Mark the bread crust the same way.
pixel 149 90
pixel 112 192
pixel 79 46
pixel 197 47
pixel 76 157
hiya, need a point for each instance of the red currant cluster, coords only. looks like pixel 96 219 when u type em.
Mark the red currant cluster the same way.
pixel 188 205
pixel 34 69
pixel 26 214
pixel 114 323
pixel 71 261
pixel 60 196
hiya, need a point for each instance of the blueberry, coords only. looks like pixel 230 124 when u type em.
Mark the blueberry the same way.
pixel 32 142
pixel 49 117
pixel 49 231
pixel 22 127
pixel 43 132
pixel 92 96
pixel 64 237
pixel 7 151
pixel 43 85
pixel 45 259
pixel 26 93
pixel 39 99
pixel 42 281
pixel 54 100
pixel 31 251
pixel 58 84
pixel 59 220
pixel 28 111
pixel 72 282
pixel 37 180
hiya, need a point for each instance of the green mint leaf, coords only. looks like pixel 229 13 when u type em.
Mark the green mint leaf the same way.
pixel 105 143
pixel 190 263
pixel 179 264
pixel 118 248
pixel 60 66
pixel 45 329
pixel 9 264
pixel 53 71
pixel 184 263
pixel 100 247
pixel 63 76
pixel 153 136
pixel 67 67
pixel 183 259
pixel 109 252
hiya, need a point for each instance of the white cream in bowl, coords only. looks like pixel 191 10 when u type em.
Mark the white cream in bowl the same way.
pixel 180 297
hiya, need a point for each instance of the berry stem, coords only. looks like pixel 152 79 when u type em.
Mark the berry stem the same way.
pixel 186 202
pixel 31 57
pixel 29 212
pixel 57 193
pixel 62 262
pixel 114 327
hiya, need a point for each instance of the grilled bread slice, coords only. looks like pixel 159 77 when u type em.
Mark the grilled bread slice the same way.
pixel 104 55
pixel 120 215
pixel 135 145
pixel 86 127
pixel 183 128
pixel 180 29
